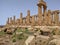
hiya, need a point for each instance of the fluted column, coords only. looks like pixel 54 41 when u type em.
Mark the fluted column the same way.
pixel 8 21
pixel 11 20
pixel 33 20
pixel 21 19
pixel 28 18
pixel 45 18
pixel 56 18
pixel 41 5
pixel 18 22
pixel 39 15
pixel 28 12
pixel 14 19
pixel 24 21
pixel 49 18
pixel 52 19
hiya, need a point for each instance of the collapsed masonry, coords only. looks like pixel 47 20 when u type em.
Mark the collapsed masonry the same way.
pixel 43 18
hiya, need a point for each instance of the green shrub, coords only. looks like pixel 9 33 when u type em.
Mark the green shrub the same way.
pixel 14 40
pixel 53 32
pixel 20 36
pixel 2 32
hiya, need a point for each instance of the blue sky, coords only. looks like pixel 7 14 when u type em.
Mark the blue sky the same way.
pixel 9 8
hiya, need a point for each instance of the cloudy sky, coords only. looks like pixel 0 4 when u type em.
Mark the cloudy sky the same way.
pixel 9 8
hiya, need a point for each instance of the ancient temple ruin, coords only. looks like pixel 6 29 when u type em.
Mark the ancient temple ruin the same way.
pixel 43 18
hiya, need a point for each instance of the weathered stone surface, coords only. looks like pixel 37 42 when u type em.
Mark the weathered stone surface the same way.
pixel 43 18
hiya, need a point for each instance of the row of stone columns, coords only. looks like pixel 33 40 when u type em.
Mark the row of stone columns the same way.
pixel 46 18
pixel 56 17
pixel 49 18
pixel 43 18
pixel 28 20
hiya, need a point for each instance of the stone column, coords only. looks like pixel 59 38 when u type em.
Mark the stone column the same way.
pixel 49 18
pixel 14 19
pixel 44 8
pixel 8 21
pixel 56 17
pixel 21 15
pixel 52 18
pixel 28 12
pixel 39 15
pixel 11 20
pixel 45 18
pixel 33 20
pixel 21 19
pixel 24 21
pixel 36 20
pixel 17 22
pixel 28 18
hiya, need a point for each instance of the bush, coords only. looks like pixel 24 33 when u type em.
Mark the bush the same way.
pixel 14 40
pixel 2 32
pixel 53 32
pixel 20 36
